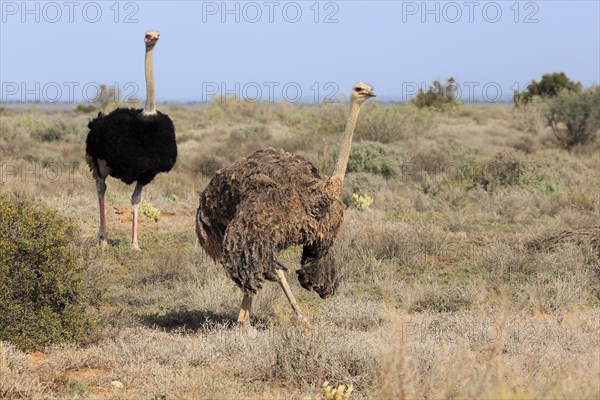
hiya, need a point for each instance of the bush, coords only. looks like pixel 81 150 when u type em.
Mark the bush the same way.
pixel 84 109
pixel 550 86
pixel 361 184
pixel 250 133
pixel 361 202
pixel 208 165
pixel 373 158
pixel 41 289
pixel 313 355
pixel 451 300
pixel 530 118
pixel 575 116
pixel 55 131
pixel 439 96
pixel 509 168
pixel 331 393
pixel 392 123
pixel 236 109
pixel 148 210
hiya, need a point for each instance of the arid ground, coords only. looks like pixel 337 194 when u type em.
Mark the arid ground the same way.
pixel 474 273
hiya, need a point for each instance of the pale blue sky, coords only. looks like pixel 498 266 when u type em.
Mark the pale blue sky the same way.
pixel 384 43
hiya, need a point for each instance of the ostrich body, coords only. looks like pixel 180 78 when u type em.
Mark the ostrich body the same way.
pixel 269 201
pixel 132 145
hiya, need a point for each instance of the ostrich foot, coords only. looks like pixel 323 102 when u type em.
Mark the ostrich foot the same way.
pixel 302 319
pixel 135 246
pixel 243 319
pixel 244 315
pixel 304 325
pixel 102 239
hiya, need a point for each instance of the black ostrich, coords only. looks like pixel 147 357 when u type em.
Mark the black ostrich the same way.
pixel 131 145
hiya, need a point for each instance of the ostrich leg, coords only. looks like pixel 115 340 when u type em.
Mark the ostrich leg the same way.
pixel 288 293
pixel 244 316
pixel 136 198
pixel 101 189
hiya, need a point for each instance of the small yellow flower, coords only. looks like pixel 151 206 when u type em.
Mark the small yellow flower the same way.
pixel 361 202
pixel 329 393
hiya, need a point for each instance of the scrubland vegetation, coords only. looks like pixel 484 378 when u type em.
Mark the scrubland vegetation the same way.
pixel 469 255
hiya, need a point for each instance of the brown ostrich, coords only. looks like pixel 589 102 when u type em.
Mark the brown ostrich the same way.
pixel 269 201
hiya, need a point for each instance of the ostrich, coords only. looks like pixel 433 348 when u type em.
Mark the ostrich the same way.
pixel 269 201
pixel 131 145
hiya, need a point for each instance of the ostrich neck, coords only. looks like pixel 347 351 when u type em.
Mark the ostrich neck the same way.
pixel 337 179
pixel 150 100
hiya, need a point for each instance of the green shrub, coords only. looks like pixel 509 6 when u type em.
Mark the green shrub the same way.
pixel 148 210
pixel 55 131
pixel 360 184
pixel 373 158
pixel 550 86
pixel 52 133
pixel 575 116
pixel 439 96
pixel 84 109
pixel 509 168
pixel 41 288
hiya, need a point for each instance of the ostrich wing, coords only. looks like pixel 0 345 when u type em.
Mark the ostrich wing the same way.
pixel 252 240
pixel 270 220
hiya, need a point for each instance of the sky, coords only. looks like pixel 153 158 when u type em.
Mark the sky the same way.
pixel 305 51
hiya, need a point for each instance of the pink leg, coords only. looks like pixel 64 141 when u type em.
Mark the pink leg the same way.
pixel 101 189
pixel 136 198
pixel 134 228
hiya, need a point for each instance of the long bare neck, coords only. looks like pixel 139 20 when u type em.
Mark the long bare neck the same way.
pixel 150 100
pixel 344 153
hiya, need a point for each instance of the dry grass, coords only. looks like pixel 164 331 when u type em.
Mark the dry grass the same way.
pixel 448 290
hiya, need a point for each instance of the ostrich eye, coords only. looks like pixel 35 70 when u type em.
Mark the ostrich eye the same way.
pixel 357 89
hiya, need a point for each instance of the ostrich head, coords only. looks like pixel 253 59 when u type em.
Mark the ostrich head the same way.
pixel 361 92
pixel 151 39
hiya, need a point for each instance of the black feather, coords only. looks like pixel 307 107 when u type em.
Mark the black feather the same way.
pixel 136 147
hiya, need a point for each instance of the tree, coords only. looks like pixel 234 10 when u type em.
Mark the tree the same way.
pixel 550 86
pixel 574 116
pixel 439 96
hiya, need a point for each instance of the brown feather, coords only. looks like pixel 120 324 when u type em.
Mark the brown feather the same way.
pixel 263 204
